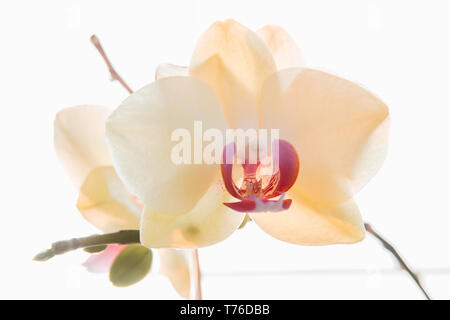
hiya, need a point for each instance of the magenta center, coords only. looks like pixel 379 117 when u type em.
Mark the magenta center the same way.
pixel 257 191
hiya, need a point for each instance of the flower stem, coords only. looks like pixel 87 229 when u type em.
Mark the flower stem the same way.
pixel 114 75
pixel 397 256
pixel 197 276
pixel 61 247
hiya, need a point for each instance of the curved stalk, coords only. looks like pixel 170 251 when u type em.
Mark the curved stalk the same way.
pixel 197 276
pixel 397 256
pixel 61 247
pixel 114 75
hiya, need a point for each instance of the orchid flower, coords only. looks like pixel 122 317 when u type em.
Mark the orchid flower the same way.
pixel 333 138
pixel 79 134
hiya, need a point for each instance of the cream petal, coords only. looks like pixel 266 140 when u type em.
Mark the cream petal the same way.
pixel 175 266
pixel 308 223
pixel 105 203
pixel 79 138
pixel 208 223
pixel 235 62
pixel 338 128
pixel 284 49
pixel 170 70
pixel 140 132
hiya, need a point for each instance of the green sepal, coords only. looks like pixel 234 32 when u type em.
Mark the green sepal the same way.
pixel 131 265
pixel 96 249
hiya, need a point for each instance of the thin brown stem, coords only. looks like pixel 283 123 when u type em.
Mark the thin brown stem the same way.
pixel 114 75
pixel 397 256
pixel 197 277
pixel 61 247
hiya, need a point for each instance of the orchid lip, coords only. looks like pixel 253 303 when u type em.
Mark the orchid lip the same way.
pixel 256 191
pixel 255 205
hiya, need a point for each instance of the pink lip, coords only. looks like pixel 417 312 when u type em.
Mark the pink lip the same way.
pixel 253 197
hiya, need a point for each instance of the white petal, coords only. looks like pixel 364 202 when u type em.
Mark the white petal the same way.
pixel 140 131
pixel 208 223
pixel 79 137
pixel 106 204
pixel 338 129
pixel 309 223
pixel 235 62
pixel 175 266
pixel 284 49
pixel 170 70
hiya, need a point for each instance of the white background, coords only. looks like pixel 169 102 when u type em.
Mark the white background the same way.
pixel 398 49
